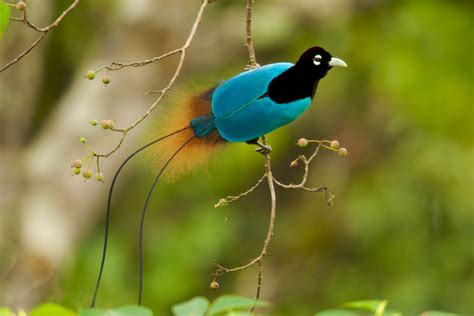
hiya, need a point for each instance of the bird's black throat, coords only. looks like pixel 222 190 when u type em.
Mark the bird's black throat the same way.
pixel 294 84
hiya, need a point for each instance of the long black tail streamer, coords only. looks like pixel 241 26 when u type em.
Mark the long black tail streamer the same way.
pixel 109 201
pixel 142 219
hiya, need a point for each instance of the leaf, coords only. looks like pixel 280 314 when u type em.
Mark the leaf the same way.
pixel 6 311
pixel 438 313
pixel 367 305
pixel 50 309
pixel 336 312
pixel 4 17
pixel 131 310
pixel 227 303
pixel 194 307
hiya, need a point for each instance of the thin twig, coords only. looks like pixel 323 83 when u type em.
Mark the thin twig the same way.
pixel 248 38
pixel 232 198
pixel 162 93
pixel 43 30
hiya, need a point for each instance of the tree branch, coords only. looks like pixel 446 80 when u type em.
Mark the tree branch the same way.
pixel 43 30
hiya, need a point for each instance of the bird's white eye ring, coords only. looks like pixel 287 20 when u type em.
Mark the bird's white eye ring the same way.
pixel 317 60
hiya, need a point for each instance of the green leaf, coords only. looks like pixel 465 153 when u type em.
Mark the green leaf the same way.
pixel 131 310
pixel 367 305
pixel 194 307
pixel 4 17
pixel 51 309
pixel 335 312
pixel 228 303
pixel 438 313
pixel 6 311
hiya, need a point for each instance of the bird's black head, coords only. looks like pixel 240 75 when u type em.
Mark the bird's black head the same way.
pixel 318 61
pixel 301 81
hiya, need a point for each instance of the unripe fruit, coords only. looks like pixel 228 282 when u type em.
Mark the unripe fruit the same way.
pixel 106 80
pixel 294 164
pixel 214 285
pixel 90 75
pixel 334 144
pixel 76 171
pixel 105 124
pixel 100 177
pixel 82 140
pixel 93 122
pixel 302 142
pixel 342 152
pixel 77 163
pixel 87 174
pixel 21 6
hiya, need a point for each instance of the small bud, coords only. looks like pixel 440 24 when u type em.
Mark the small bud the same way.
pixel 111 123
pixel 342 152
pixel 106 80
pixel 77 163
pixel 294 164
pixel 82 140
pixel 93 122
pixel 334 144
pixel 100 177
pixel 214 285
pixel 87 174
pixel 90 75
pixel 302 142
pixel 105 124
pixel 21 6
pixel 76 171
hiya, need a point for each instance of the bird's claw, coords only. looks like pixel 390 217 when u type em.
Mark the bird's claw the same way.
pixel 264 149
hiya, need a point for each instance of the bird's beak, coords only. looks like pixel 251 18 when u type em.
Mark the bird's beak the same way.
pixel 337 62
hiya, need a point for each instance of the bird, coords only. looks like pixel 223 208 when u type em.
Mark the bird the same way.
pixel 242 108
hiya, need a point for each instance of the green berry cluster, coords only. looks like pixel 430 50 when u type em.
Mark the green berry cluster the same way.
pixel 91 74
pixel 105 124
pixel 78 166
pixel 332 145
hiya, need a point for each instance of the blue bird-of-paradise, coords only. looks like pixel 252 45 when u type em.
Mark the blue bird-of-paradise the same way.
pixel 240 109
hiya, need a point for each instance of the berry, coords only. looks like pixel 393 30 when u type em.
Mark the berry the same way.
pixel 334 144
pixel 100 177
pixel 93 122
pixel 214 285
pixel 76 171
pixel 90 75
pixel 77 163
pixel 294 164
pixel 105 124
pixel 106 80
pixel 82 140
pixel 21 6
pixel 302 142
pixel 87 174
pixel 342 152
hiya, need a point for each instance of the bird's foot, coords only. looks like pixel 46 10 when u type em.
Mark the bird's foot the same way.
pixel 264 149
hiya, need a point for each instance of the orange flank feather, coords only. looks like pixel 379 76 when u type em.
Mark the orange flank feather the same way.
pixel 199 152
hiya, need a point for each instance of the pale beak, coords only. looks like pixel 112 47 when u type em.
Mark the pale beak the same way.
pixel 337 62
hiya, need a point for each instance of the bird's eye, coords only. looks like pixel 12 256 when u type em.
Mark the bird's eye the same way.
pixel 317 60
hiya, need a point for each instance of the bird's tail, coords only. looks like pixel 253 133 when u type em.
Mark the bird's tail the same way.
pixel 195 112
pixel 189 130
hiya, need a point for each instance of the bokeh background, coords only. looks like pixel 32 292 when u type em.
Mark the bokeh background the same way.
pixel 402 225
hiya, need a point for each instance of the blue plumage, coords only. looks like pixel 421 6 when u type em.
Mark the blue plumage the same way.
pixel 258 101
pixel 243 110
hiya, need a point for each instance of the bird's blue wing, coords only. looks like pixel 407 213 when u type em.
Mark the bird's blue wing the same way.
pixel 242 90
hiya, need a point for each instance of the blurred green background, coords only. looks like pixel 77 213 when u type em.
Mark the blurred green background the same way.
pixel 402 226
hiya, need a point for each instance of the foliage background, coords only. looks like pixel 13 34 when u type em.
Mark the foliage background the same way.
pixel 402 225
